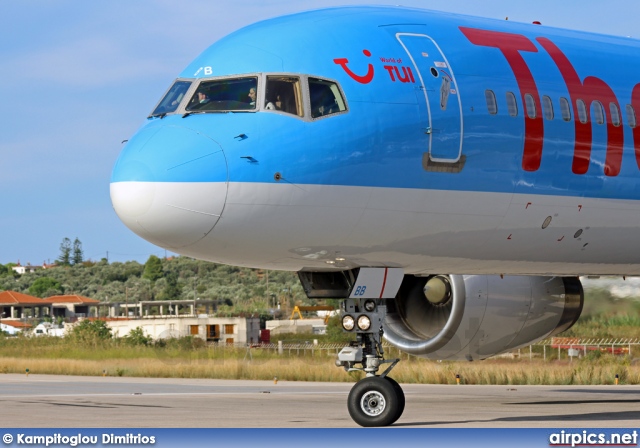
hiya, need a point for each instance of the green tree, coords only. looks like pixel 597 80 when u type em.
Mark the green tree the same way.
pixel 65 252
pixel 11 272
pixel 89 331
pixel 137 337
pixel 45 286
pixel 153 269
pixel 3 270
pixel 77 252
pixel 171 291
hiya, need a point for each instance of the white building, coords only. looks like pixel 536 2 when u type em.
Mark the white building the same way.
pixel 24 269
pixel 69 306
pixel 162 319
pixel 298 326
pixel 13 327
pixel 48 329
pixel 228 330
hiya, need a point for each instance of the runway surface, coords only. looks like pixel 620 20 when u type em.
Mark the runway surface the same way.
pixel 93 402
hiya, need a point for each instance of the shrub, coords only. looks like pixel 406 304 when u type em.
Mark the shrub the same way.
pixel 89 331
pixel 137 337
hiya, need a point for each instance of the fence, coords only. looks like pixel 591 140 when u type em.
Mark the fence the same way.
pixel 572 347
pixel 577 347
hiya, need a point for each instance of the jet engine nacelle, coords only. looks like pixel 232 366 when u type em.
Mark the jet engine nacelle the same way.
pixel 457 317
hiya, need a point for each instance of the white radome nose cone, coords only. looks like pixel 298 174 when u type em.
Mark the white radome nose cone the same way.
pixel 169 185
pixel 132 199
pixel 169 214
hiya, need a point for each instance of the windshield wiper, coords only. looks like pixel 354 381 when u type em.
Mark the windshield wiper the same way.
pixel 162 115
pixel 204 112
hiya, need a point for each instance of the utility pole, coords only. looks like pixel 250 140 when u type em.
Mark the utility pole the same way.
pixel 195 282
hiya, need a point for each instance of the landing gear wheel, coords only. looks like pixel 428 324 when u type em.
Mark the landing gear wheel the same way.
pixel 374 401
pixel 400 393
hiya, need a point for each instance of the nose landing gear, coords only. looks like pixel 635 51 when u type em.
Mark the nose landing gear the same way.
pixel 376 400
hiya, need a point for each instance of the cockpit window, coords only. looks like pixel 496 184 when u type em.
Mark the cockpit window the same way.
pixel 225 95
pixel 325 98
pixel 172 99
pixel 284 94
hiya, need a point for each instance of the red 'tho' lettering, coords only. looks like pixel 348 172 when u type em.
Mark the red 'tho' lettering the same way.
pixel 511 45
pixel 635 102
pixel 592 89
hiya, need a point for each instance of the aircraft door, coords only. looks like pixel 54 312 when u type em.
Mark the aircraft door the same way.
pixel 438 89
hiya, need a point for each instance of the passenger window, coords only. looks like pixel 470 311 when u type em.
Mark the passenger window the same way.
pixel 234 94
pixel 492 105
pixel 512 104
pixel 531 105
pixel 565 110
pixel 598 112
pixel 325 98
pixel 615 114
pixel 582 111
pixel 172 98
pixel 547 107
pixel 631 116
pixel 283 93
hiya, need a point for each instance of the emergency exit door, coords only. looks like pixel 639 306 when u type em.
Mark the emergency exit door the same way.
pixel 438 97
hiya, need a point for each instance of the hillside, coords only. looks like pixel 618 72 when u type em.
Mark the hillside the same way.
pixel 243 290
pixel 237 289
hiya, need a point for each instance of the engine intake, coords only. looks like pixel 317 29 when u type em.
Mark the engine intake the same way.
pixel 473 317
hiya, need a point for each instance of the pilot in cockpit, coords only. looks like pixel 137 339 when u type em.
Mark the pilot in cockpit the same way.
pixel 199 101
pixel 252 95
pixel 274 105
pixel 202 98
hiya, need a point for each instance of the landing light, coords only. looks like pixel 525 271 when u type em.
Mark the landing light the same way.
pixel 364 323
pixel 369 305
pixel 348 323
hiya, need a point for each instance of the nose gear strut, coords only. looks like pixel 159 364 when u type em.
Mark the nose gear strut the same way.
pixel 376 400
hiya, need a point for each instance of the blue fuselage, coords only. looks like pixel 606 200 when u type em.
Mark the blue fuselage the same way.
pixel 477 123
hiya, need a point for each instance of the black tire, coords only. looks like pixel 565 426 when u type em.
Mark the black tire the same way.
pixel 373 401
pixel 400 394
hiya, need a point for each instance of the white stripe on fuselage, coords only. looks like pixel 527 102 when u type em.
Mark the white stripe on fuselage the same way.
pixel 291 227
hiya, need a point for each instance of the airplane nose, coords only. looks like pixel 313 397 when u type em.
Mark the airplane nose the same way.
pixel 169 185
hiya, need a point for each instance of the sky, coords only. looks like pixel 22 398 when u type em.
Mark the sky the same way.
pixel 79 77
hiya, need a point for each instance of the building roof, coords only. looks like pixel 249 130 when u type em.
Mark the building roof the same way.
pixel 17 298
pixel 15 323
pixel 109 319
pixel 71 299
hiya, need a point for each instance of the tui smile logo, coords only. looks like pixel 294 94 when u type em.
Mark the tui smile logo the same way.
pixel 362 79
